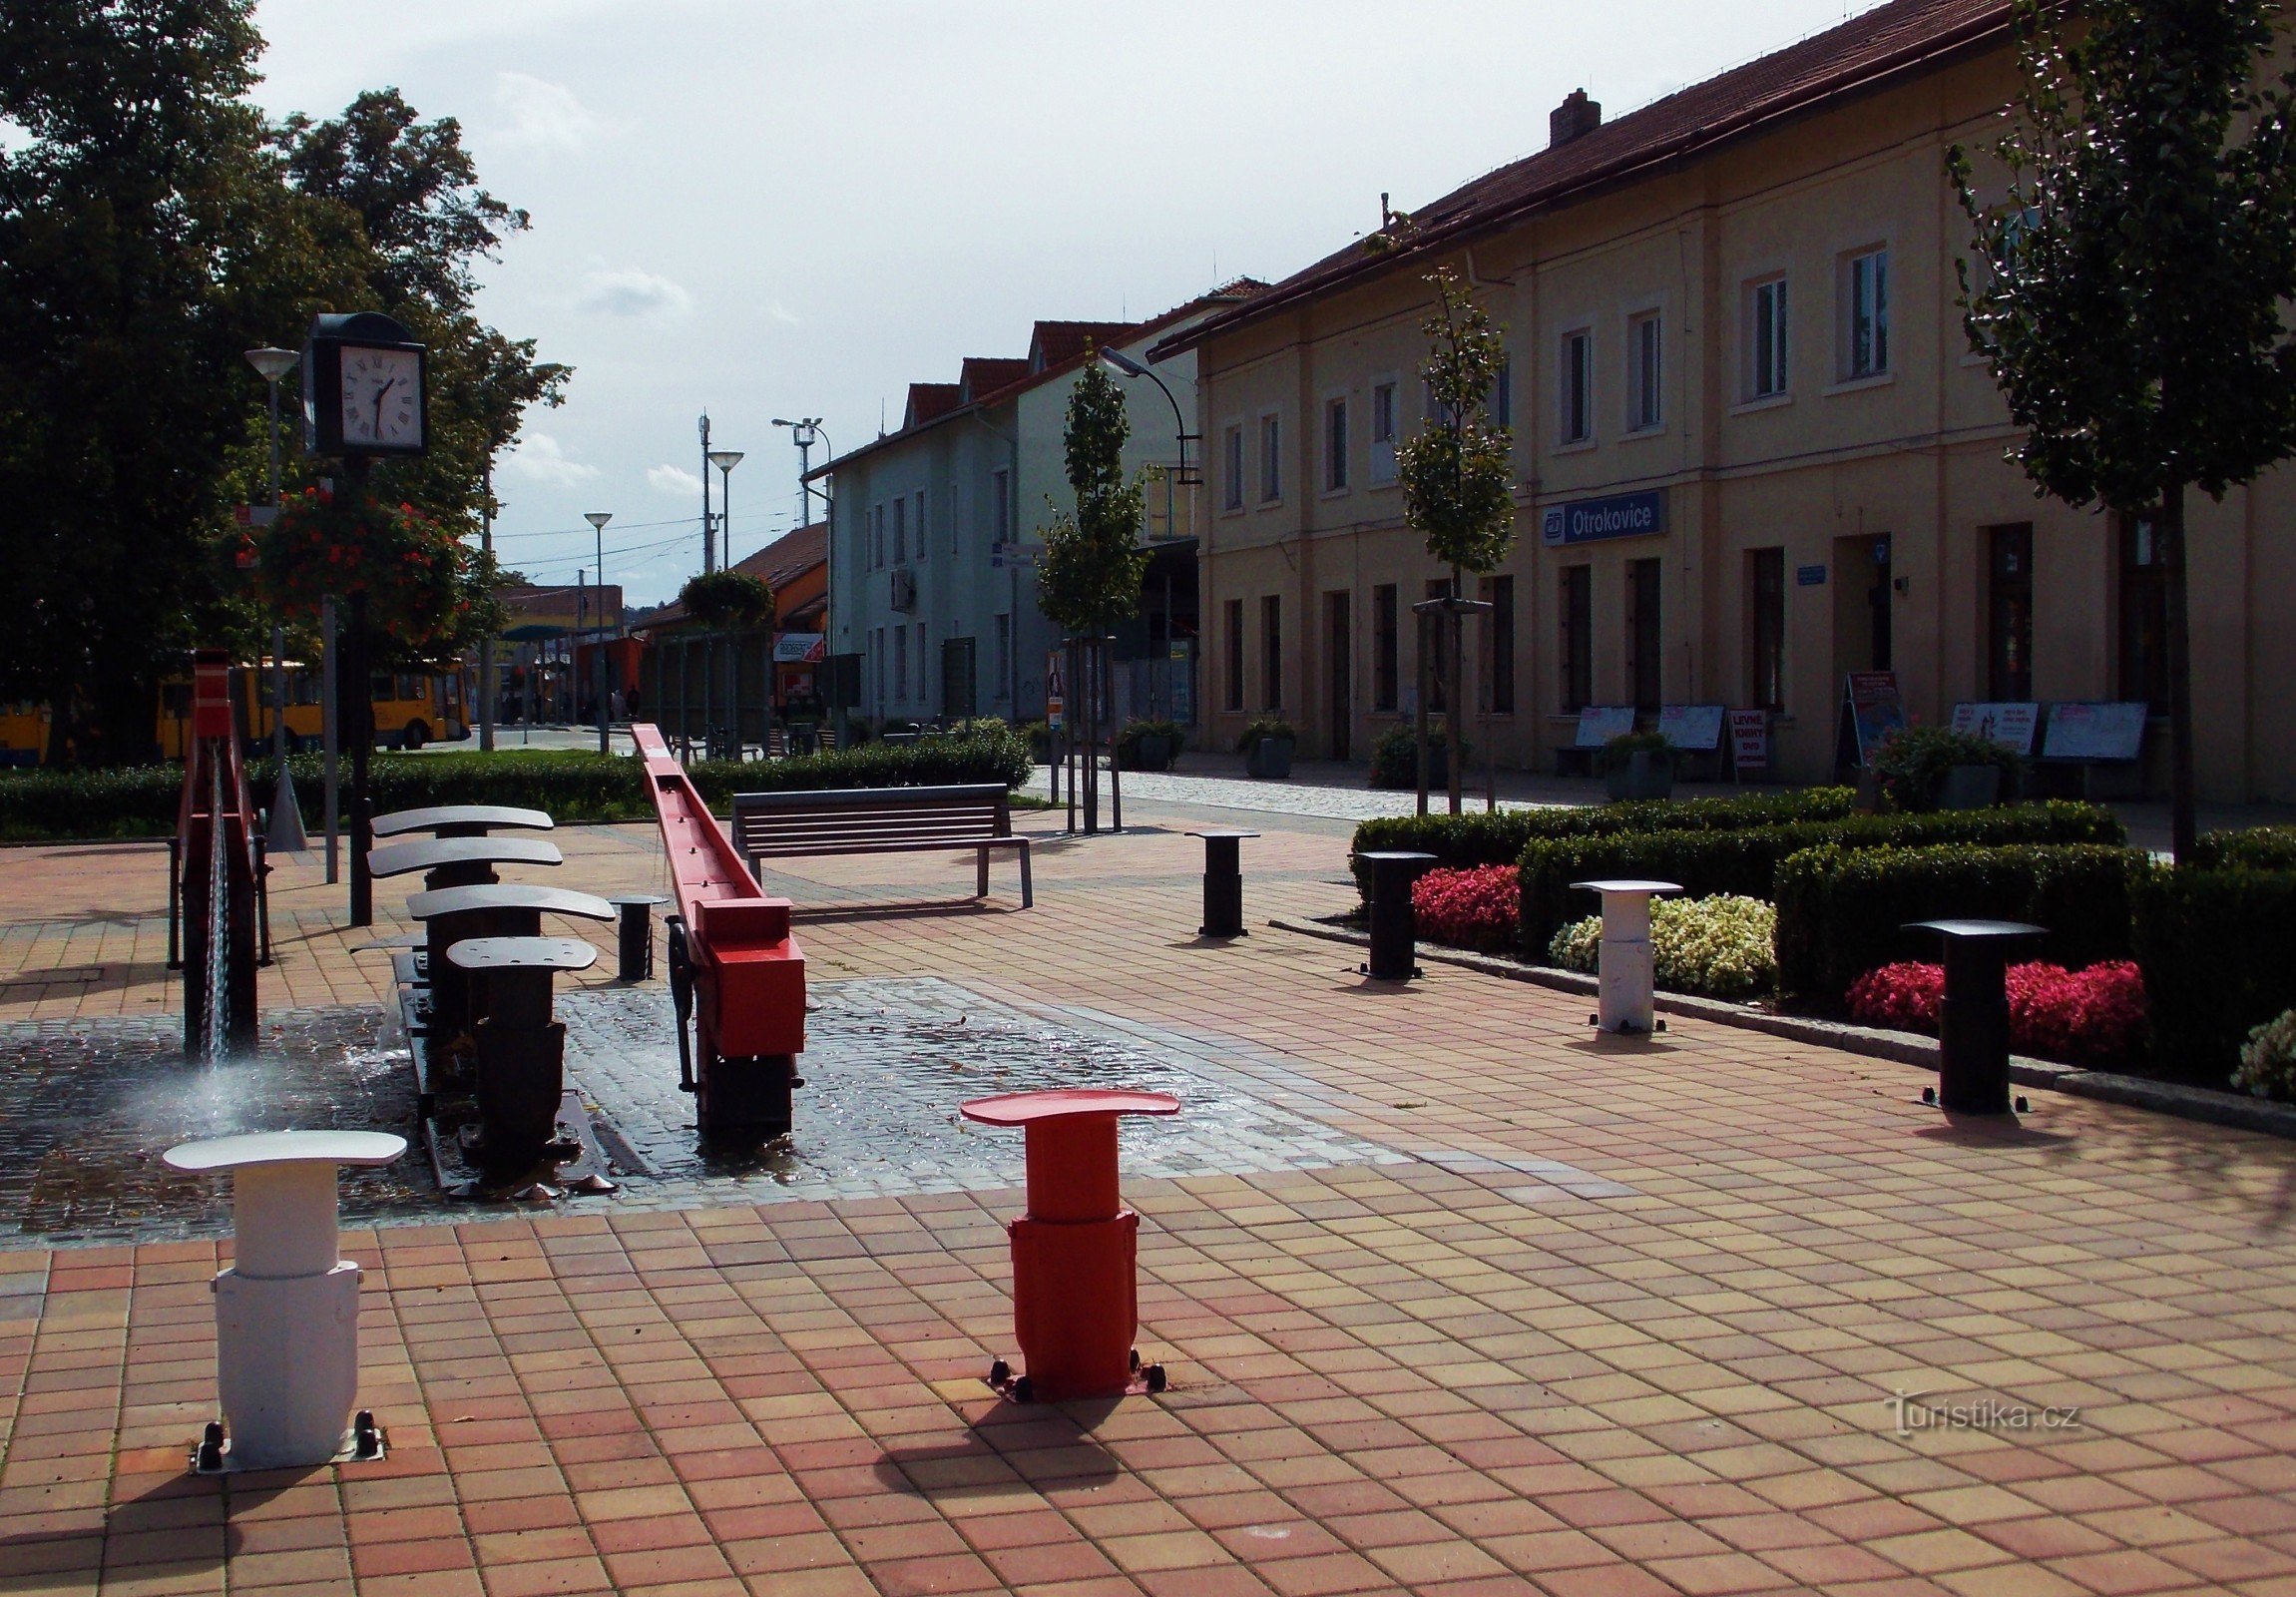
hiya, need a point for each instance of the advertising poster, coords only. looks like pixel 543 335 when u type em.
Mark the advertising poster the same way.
pixel 1695 729
pixel 2011 725
pixel 1875 707
pixel 1749 741
pixel 1599 724
pixel 2094 731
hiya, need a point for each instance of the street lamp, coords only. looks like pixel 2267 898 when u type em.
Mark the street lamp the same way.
pixel 285 834
pixel 1130 367
pixel 804 432
pixel 726 460
pixel 598 520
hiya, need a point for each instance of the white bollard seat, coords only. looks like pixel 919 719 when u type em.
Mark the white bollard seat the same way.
pixel 287 1310
pixel 1625 984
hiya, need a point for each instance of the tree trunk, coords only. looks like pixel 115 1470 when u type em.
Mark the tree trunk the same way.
pixel 2184 799
pixel 1454 691
pixel 1116 770
pixel 1420 709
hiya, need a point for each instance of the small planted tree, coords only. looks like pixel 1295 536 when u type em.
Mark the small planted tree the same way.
pixel 1088 577
pixel 731 602
pixel 2135 273
pixel 1456 492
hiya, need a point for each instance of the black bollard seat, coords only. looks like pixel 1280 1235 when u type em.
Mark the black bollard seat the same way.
pixel 457 914
pixel 1394 929
pixel 461 821
pixel 460 862
pixel 633 937
pixel 521 1046
pixel 1973 1017
pixel 1223 883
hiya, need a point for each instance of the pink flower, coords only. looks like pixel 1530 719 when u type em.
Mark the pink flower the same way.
pixel 1477 909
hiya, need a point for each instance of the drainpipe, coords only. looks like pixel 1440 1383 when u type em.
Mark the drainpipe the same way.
pixel 1012 446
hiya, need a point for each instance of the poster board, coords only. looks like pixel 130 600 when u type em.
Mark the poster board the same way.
pixel 1749 742
pixel 1056 690
pixel 2013 726
pixel 2094 731
pixel 1599 724
pixel 1875 709
pixel 1693 728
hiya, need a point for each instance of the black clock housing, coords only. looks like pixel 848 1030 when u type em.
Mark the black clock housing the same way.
pixel 330 336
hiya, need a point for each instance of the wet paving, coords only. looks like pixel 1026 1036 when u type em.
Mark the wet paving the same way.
pixel 87 1107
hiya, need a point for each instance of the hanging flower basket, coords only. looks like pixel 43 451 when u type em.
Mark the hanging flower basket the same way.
pixel 728 601
pixel 414 572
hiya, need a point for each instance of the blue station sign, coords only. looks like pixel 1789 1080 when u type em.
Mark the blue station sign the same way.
pixel 1626 515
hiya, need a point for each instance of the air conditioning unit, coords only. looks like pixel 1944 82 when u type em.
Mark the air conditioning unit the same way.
pixel 904 589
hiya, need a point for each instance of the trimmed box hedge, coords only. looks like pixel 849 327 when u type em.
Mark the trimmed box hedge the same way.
pixel 2218 953
pixel 2258 849
pixel 1746 861
pixel 1499 839
pixel 1841 911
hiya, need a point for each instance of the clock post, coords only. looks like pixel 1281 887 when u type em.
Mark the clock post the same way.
pixel 365 393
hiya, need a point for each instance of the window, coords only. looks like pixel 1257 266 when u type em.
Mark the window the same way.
pixel 1335 446
pixel 876 666
pixel 900 663
pixel 1645 370
pixel 1000 507
pixel 1383 433
pixel 1235 653
pixel 1868 303
pixel 1002 687
pixel 2009 629
pixel 1643 656
pixel 877 535
pixel 1384 669
pixel 1766 627
pixel 1577 400
pixel 1270 459
pixel 922 541
pixel 1575 634
pixel 1232 495
pixel 900 531
pixel 1766 340
pixel 924 653
pixel 1497 642
pixel 1271 652
pixel 1503 394
pixel 2143 615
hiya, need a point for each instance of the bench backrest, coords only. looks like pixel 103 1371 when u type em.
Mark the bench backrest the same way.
pixel 825 819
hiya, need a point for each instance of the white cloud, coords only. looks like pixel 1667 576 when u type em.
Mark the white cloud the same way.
pixel 539 458
pixel 674 480
pixel 782 314
pixel 631 292
pixel 541 116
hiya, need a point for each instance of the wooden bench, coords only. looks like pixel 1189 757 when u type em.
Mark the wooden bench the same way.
pixel 883 820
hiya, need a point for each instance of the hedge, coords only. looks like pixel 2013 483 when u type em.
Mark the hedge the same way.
pixel 2218 953
pixel 1841 911
pixel 141 800
pixel 1499 839
pixel 2259 849
pixel 1746 861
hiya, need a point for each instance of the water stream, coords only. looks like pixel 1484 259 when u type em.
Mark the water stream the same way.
pixel 218 956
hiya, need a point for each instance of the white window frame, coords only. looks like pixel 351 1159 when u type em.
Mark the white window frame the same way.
pixel 1865 323
pixel 1646 372
pixel 1233 469
pixel 1271 457
pixel 1575 388
pixel 1384 423
pixel 1769 321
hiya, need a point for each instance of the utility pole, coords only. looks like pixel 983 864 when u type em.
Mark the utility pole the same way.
pixel 598 520
pixel 709 541
pixel 486 693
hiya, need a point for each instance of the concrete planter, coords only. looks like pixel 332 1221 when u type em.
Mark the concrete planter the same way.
pixel 1270 759
pixel 1970 788
pixel 1647 775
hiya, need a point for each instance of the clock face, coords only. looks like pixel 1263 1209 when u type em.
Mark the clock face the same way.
pixel 382 399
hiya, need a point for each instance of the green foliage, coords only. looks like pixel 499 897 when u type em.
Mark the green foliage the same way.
pixel 1261 729
pixel 1499 839
pixel 1912 761
pixel 1746 861
pixel 1618 753
pixel 1395 756
pixel 1128 753
pixel 2258 849
pixel 1720 948
pixel 727 600
pixel 1841 911
pixel 1457 474
pixel 423 602
pixel 2268 1060
pixel 2218 953
pixel 1088 577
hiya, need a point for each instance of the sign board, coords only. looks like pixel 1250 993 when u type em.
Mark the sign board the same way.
pixel 2009 724
pixel 1180 683
pixel 1696 729
pixel 1056 690
pixel 254 515
pixel 842 678
pixel 1749 741
pixel 2094 731
pixel 1875 709
pixel 1599 724
pixel 1626 515
pixel 1809 576
pixel 800 649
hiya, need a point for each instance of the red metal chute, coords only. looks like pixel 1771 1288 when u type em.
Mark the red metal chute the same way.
pixel 215 841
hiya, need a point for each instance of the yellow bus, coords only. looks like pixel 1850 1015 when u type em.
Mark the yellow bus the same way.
pixel 23 732
pixel 412 708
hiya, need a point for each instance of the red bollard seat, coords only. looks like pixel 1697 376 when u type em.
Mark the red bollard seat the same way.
pixel 1076 1302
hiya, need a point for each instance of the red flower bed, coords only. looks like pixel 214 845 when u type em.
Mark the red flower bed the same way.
pixel 1480 908
pixel 2084 1018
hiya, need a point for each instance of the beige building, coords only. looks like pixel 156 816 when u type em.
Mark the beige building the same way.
pixel 1752 451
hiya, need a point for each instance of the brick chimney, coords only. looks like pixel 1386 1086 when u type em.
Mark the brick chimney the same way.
pixel 1572 118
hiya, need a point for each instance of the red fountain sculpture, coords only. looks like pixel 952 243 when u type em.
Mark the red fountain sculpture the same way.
pixel 734 966
pixel 215 841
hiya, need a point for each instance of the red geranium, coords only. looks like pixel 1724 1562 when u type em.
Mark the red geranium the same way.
pixel 1479 908
pixel 2094 1016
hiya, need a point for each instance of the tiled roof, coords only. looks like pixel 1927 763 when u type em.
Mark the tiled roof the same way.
pixel 930 400
pixel 1886 43
pixel 985 374
pixel 781 562
pixel 1058 342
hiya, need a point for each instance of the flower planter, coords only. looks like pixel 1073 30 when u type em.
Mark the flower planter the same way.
pixel 1153 751
pixel 1270 759
pixel 1646 774
pixel 1970 788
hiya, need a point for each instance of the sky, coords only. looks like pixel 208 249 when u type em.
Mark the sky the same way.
pixel 797 207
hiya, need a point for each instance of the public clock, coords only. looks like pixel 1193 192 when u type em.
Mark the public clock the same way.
pixel 382 399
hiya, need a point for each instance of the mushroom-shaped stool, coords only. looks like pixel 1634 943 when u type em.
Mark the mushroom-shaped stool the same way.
pixel 1626 980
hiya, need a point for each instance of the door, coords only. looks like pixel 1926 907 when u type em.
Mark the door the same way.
pixel 1861 582
pixel 1340 671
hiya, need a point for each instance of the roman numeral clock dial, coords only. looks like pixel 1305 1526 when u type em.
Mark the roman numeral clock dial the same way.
pixel 381 398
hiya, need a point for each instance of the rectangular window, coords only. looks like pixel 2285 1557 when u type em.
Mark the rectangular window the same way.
pixel 1000 506
pixel 1503 394
pixel 923 542
pixel 1498 644
pixel 1574 637
pixel 1231 489
pixel 1335 446
pixel 1644 372
pixel 900 532
pixel 1869 314
pixel 1002 687
pixel 924 654
pixel 2009 655
pixel 1766 627
pixel 877 536
pixel 1270 459
pixel 2143 615
pixel 900 663
pixel 1271 652
pixel 1644 658
pixel 1766 340
pixel 1235 653
pixel 877 667
pixel 1575 402
pixel 1384 669
pixel 1383 433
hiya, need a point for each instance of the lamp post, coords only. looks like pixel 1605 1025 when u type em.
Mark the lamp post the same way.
pixel 285 834
pixel 598 520
pixel 804 432
pixel 726 460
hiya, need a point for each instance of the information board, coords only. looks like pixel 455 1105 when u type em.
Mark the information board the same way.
pixel 2011 725
pixel 1599 724
pixel 1749 741
pixel 1875 707
pixel 1695 729
pixel 2094 731
pixel 1056 694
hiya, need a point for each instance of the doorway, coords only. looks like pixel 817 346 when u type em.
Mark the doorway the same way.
pixel 1339 671
pixel 1861 604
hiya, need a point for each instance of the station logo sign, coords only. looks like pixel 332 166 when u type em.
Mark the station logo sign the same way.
pixel 1626 515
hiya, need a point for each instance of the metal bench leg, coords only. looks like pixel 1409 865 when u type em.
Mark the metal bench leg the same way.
pixel 981 874
pixel 1028 889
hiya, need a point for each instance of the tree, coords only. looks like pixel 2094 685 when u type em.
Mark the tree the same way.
pixel 1090 575
pixel 2134 273
pixel 1457 492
